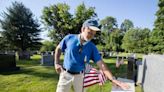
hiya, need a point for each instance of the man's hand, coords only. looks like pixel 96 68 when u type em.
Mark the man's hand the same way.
pixel 123 85
pixel 58 68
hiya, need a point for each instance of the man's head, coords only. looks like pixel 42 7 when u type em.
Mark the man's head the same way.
pixel 92 24
pixel 89 29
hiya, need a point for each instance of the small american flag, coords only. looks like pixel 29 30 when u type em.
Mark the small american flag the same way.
pixel 93 76
pixel 119 62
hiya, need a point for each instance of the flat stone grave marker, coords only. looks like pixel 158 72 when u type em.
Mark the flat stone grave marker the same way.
pixel 128 81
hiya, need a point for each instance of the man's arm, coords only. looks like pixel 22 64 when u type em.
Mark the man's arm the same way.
pixel 106 71
pixel 109 75
pixel 57 55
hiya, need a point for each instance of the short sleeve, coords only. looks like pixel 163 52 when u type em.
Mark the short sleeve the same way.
pixel 63 43
pixel 95 54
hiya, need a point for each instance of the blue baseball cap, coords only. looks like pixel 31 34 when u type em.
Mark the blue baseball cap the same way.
pixel 92 24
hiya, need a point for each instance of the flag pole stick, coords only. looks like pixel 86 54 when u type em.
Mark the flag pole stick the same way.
pixel 85 60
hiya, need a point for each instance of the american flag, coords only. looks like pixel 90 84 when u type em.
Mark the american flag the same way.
pixel 93 76
pixel 119 62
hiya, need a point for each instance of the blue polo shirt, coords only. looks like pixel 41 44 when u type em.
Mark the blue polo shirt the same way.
pixel 73 58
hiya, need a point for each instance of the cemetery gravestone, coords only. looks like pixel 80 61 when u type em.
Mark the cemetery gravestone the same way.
pixel 7 63
pixel 139 72
pixel 130 68
pixel 47 59
pixel 152 78
pixel 24 55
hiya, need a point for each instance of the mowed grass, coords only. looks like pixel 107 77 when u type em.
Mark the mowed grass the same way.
pixel 33 77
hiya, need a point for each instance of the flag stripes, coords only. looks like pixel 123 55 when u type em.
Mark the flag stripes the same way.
pixel 93 76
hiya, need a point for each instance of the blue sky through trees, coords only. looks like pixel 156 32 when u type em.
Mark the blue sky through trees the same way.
pixel 140 12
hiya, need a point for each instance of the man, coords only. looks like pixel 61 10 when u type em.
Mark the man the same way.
pixel 76 48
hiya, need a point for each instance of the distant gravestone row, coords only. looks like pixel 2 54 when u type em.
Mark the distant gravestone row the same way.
pixel 7 52
pixel 8 60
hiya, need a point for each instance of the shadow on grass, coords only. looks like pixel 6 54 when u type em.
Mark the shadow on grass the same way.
pixel 33 67
pixel 28 62
pixel 35 71
pixel 118 72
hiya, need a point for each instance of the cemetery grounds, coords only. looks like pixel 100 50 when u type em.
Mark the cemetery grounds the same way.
pixel 33 77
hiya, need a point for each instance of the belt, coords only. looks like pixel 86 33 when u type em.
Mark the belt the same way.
pixel 73 73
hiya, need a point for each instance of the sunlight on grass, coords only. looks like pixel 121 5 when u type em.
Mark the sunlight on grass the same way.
pixel 35 57
pixel 33 77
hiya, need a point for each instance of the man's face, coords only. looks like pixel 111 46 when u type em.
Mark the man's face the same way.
pixel 88 33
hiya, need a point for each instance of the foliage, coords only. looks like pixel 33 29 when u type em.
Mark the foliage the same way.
pixel 100 47
pixel 3 44
pixel 109 23
pixel 82 13
pixel 47 46
pixel 126 25
pixel 60 21
pixel 19 27
pixel 136 40
pixel 112 40
pixel 35 78
pixel 57 20
pixel 116 40
pixel 106 38
pixel 157 37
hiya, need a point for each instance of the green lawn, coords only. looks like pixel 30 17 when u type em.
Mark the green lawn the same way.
pixel 32 77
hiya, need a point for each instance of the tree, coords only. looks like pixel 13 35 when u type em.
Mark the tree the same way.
pixel 20 29
pixel 126 25
pixel 60 22
pixel 4 44
pixel 82 13
pixel 136 40
pixel 157 37
pixel 116 37
pixel 109 23
pixel 47 46
pixel 57 20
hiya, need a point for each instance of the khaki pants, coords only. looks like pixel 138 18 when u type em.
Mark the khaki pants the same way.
pixel 66 80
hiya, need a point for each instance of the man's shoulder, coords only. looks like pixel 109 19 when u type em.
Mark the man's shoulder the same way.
pixel 71 35
pixel 91 43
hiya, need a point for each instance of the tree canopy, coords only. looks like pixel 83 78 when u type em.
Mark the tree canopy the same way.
pixel 157 37
pixel 20 29
pixel 126 25
pixel 59 21
pixel 136 40
pixel 109 23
